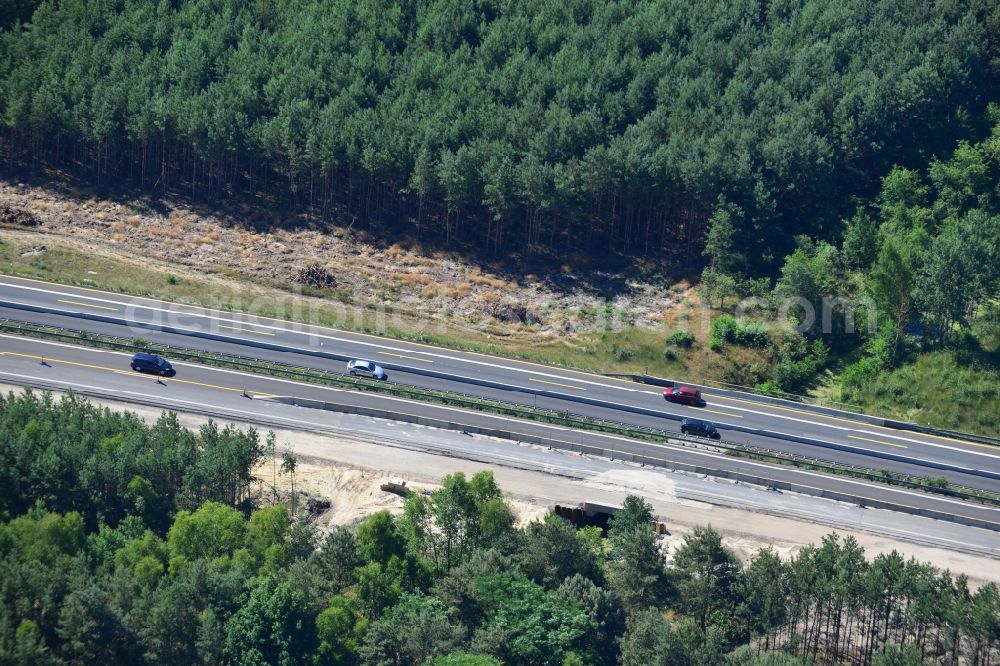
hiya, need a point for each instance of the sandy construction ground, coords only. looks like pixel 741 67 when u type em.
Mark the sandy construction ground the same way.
pixel 348 470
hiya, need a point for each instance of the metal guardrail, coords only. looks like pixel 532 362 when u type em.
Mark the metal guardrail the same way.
pixel 781 395
pixel 316 375
pixel 491 405
pixel 710 384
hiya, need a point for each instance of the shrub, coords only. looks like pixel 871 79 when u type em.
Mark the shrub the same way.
pixel 722 329
pixel 752 334
pixel 770 388
pixel 797 363
pixel 743 373
pixel 964 340
pixel 725 329
pixel 681 339
pixel 860 374
pixel 885 350
pixel 670 353
pixel 621 355
pixel 794 376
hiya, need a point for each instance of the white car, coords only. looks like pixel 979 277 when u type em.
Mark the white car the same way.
pixel 359 368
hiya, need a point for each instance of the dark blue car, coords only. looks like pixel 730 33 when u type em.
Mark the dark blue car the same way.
pixel 699 428
pixel 152 364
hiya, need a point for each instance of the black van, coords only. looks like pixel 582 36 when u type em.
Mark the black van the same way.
pixel 152 364
pixel 699 428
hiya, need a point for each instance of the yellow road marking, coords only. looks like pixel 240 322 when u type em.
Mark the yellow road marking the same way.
pixel 715 411
pixel 285 322
pixel 216 386
pixel 130 374
pixel 88 305
pixel 412 358
pixel 868 439
pixel 765 406
pixel 220 388
pixel 244 330
pixel 961 441
pixel 49 358
pixel 284 325
pixel 542 381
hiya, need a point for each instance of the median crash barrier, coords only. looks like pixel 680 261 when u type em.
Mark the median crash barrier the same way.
pixel 307 374
pixel 754 397
pixel 263 344
pixel 477 381
pixel 885 455
pixel 389 366
pixel 817 409
pixel 484 405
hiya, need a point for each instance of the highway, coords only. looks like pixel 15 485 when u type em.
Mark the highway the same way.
pixel 740 420
pixel 255 399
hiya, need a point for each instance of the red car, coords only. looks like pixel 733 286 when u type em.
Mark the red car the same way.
pixel 686 395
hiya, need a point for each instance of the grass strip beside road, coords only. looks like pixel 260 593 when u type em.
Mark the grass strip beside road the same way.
pixel 596 353
pixel 939 486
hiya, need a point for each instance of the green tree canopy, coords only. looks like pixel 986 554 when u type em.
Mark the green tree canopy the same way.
pixel 552 550
pixel 525 624
pixel 526 127
pixel 271 627
pixel 707 575
pixel 213 530
pixel 412 631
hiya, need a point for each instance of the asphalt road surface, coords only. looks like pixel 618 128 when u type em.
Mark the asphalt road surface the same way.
pixel 968 463
pixel 248 398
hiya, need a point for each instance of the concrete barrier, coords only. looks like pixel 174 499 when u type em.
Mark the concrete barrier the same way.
pixel 741 477
pixel 569 446
pixel 954 434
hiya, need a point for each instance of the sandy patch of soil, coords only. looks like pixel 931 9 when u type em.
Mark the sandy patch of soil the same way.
pixel 356 493
pixel 348 471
